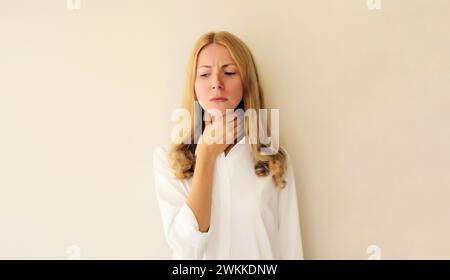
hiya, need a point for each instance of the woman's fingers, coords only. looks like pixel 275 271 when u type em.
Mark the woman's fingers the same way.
pixel 240 128
pixel 234 131
pixel 208 118
pixel 232 127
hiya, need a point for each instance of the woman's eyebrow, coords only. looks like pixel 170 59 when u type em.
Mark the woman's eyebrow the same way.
pixel 223 66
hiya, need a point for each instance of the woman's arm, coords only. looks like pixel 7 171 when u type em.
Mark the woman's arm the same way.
pixel 289 219
pixel 200 196
pixel 186 211
pixel 179 222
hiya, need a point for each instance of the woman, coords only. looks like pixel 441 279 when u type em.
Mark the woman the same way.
pixel 226 200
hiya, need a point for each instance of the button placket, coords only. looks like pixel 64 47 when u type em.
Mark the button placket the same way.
pixel 227 197
pixel 224 196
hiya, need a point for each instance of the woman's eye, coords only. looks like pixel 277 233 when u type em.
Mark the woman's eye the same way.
pixel 226 73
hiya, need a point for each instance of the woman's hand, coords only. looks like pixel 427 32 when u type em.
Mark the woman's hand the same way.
pixel 214 140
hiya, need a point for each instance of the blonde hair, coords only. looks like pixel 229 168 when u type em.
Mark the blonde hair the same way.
pixel 182 156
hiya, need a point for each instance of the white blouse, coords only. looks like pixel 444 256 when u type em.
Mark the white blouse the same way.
pixel 250 219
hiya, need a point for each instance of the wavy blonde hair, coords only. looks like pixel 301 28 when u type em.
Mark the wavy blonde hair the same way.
pixel 182 155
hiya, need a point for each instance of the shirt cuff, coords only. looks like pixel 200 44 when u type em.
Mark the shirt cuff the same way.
pixel 188 226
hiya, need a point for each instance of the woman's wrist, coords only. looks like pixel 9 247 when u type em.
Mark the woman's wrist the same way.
pixel 206 153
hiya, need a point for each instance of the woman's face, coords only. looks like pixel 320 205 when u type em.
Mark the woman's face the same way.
pixel 218 83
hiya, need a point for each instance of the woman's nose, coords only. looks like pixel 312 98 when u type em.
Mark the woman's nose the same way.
pixel 216 83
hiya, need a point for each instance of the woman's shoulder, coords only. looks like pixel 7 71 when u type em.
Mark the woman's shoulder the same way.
pixel 286 155
pixel 162 149
pixel 161 155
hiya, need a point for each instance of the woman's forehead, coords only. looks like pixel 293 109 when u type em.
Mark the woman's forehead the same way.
pixel 215 54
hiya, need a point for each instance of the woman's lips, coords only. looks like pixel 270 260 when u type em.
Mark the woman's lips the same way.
pixel 218 99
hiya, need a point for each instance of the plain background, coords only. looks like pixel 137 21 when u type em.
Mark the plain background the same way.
pixel 86 95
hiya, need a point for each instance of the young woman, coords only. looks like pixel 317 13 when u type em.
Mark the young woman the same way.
pixel 222 200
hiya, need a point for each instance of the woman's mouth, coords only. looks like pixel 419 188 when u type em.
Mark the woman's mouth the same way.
pixel 218 99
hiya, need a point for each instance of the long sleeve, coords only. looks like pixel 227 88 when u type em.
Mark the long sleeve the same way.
pixel 291 246
pixel 180 225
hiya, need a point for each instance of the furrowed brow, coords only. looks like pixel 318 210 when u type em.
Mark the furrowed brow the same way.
pixel 223 66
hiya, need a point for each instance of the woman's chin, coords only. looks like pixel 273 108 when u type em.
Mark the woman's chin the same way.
pixel 222 109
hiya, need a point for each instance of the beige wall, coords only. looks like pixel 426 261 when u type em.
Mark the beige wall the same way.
pixel 85 96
